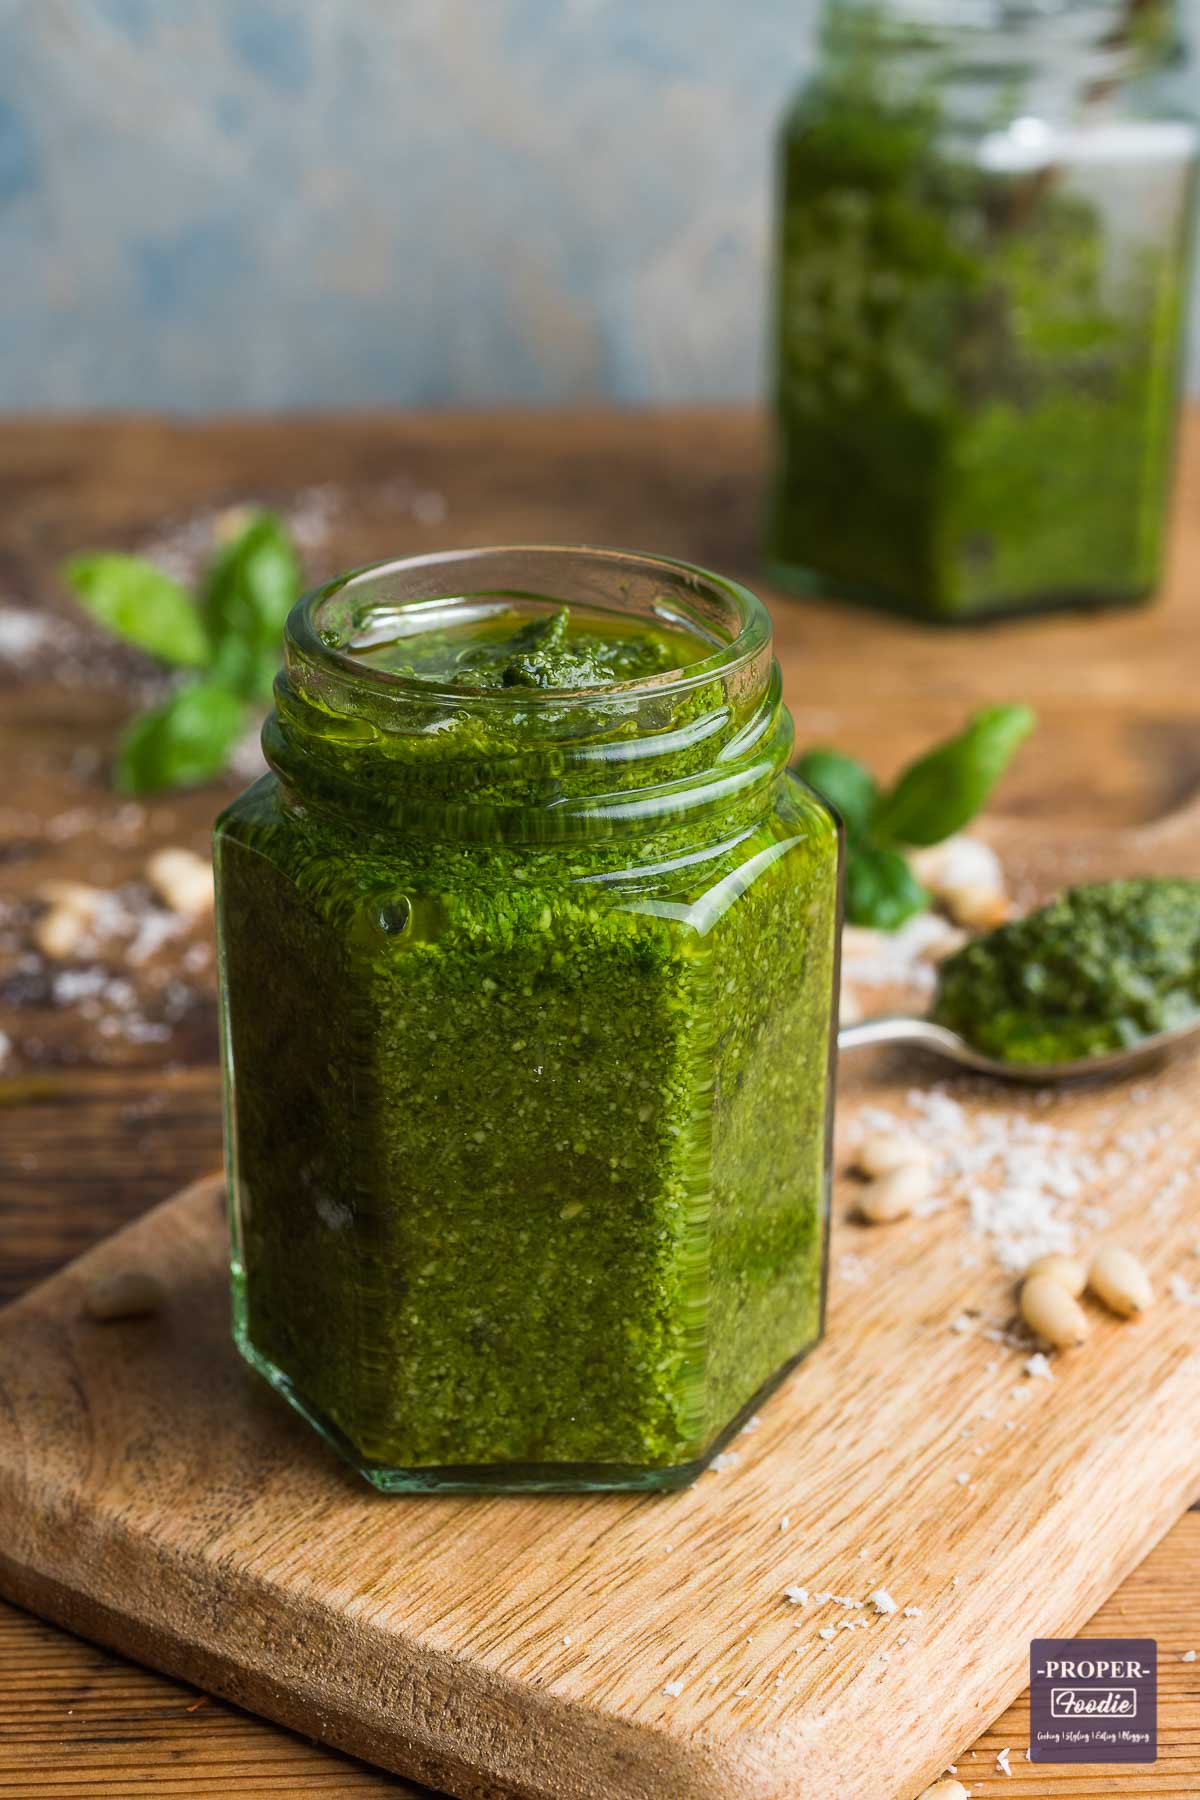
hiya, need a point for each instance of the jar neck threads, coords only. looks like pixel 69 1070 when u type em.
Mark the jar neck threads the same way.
pixel 393 752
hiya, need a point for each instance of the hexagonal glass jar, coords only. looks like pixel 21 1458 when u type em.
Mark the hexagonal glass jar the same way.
pixel 528 1008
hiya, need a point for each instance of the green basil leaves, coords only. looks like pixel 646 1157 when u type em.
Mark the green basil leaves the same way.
pixel 933 798
pixel 229 635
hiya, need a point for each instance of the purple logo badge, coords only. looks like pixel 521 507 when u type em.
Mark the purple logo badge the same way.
pixel 1093 1700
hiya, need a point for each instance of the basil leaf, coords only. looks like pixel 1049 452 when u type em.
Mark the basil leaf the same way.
pixel 847 784
pixel 939 793
pixel 137 602
pixel 881 889
pixel 251 586
pixel 182 743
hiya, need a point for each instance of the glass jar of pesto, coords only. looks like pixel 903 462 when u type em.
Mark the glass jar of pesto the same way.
pixel 528 956
pixel 982 258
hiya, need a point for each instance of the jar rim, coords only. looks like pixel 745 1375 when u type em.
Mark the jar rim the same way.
pixel 748 622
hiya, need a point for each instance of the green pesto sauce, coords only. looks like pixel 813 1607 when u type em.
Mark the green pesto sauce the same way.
pixel 529 1138
pixel 503 646
pixel 1101 967
pixel 976 383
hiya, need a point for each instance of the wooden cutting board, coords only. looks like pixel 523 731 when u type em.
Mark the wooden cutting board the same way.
pixel 156 1497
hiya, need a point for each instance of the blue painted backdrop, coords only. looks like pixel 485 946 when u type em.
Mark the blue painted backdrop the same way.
pixel 274 203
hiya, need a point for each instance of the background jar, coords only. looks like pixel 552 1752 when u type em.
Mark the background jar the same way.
pixel 982 262
pixel 528 1017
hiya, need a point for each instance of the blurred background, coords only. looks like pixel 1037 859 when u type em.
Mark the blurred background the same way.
pixel 278 204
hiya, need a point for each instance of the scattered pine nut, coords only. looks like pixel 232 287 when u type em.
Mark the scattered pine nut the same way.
pixel 1066 1270
pixel 59 932
pixel 130 1294
pixel 182 880
pixel 948 1789
pixel 958 861
pixel 1118 1278
pixel 1051 1313
pixel 978 908
pixel 71 907
pixel 885 1151
pixel 894 1195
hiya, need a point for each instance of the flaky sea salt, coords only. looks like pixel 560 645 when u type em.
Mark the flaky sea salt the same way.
pixel 901 958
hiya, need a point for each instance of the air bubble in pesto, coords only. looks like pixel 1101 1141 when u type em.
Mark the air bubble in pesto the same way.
pixel 528 956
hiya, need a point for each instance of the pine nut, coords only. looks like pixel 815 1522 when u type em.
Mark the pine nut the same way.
pixel 949 1789
pixel 885 1151
pixel 71 908
pixel 959 861
pixel 978 908
pixel 182 880
pixel 1066 1270
pixel 59 932
pixel 1118 1278
pixel 893 1196
pixel 1051 1313
pixel 130 1294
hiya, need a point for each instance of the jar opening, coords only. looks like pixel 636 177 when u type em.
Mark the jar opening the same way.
pixel 451 694
pixel 350 633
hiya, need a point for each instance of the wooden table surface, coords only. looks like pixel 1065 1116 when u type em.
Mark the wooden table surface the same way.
pixel 109 1086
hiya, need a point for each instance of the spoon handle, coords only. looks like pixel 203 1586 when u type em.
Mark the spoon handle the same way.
pixel 901 1028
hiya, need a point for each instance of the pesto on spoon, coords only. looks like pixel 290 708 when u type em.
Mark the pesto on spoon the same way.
pixel 1093 983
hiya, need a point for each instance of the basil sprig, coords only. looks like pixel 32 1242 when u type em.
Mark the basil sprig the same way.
pixel 227 636
pixel 930 800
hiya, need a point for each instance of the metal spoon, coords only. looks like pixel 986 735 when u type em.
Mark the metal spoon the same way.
pixel 899 1028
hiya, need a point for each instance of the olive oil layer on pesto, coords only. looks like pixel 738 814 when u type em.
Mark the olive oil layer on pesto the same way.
pixel 530 1136
pixel 1100 967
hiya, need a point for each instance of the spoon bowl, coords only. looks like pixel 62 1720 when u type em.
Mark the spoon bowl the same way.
pixel 926 1034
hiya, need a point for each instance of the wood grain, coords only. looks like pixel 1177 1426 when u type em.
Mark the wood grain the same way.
pixel 81 1152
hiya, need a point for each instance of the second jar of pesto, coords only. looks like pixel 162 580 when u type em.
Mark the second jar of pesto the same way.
pixel 982 263
pixel 528 954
